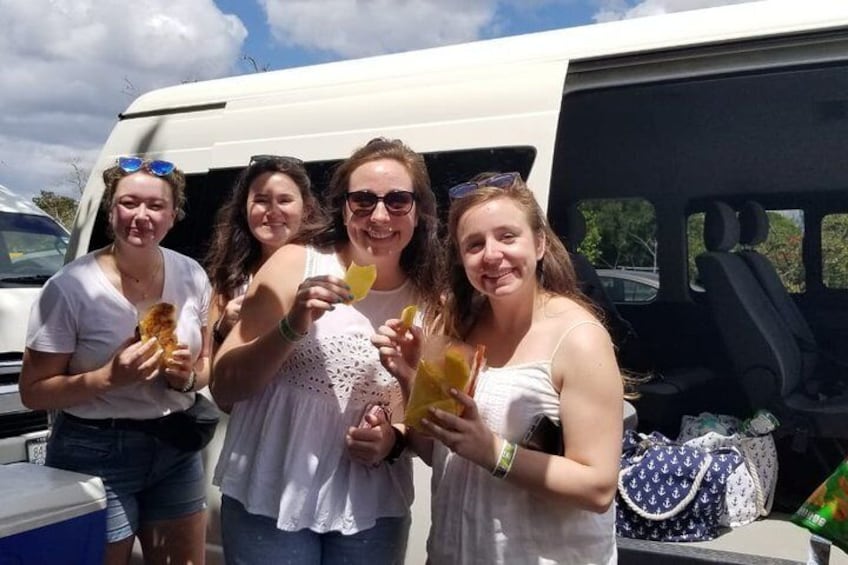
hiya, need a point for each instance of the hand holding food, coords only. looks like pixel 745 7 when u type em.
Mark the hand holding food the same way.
pixel 445 367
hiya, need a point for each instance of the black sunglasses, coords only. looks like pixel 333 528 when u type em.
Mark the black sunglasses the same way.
pixel 284 160
pixel 397 202
pixel 501 180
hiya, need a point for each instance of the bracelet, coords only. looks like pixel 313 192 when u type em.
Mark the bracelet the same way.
pixel 217 335
pixel 504 464
pixel 192 380
pixel 398 447
pixel 289 333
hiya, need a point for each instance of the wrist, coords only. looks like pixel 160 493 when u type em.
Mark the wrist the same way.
pixel 188 386
pixel 288 333
pixel 398 447
pixel 218 332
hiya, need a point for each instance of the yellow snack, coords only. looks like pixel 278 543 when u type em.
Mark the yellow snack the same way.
pixel 407 317
pixel 457 371
pixel 434 378
pixel 360 279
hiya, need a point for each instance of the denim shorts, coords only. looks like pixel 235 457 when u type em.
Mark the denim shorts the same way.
pixel 249 539
pixel 146 480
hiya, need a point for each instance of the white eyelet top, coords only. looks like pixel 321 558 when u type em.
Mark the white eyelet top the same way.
pixel 284 455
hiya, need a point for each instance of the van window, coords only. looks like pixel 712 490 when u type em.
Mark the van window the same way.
pixel 782 247
pixel 621 243
pixel 834 241
pixel 32 249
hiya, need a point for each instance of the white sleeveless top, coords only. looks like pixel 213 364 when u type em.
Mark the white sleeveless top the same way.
pixel 284 455
pixel 477 518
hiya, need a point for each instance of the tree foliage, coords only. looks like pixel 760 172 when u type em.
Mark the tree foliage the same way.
pixel 62 208
pixel 620 233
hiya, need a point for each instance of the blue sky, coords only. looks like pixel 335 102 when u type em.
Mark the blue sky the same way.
pixel 71 66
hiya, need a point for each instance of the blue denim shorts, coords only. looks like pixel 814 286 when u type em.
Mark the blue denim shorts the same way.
pixel 146 480
pixel 249 539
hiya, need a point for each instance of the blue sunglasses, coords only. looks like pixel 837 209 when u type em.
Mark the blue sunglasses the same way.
pixel 155 167
pixel 501 180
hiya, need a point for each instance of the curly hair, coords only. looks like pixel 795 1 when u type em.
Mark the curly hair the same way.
pixel 175 179
pixel 422 259
pixel 554 272
pixel 234 253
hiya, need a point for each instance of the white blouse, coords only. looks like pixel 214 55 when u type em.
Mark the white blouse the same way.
pixel 284 455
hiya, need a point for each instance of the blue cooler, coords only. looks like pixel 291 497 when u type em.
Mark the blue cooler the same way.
pixel 50 516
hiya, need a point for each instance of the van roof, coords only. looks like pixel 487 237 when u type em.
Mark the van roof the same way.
pixel 11 202
pixel 653 33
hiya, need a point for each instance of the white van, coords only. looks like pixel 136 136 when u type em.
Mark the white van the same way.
pixel 32 249
pixel 670 112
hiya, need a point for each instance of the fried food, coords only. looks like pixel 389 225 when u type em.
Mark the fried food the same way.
pixel 160 321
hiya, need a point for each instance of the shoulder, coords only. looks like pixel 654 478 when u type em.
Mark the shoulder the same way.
pixel 577 328
pixel 184 262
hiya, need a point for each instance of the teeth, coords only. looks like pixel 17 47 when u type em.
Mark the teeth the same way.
pixel 380 235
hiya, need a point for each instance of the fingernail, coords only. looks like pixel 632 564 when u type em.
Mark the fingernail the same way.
pixel 350 297
pixel 425 421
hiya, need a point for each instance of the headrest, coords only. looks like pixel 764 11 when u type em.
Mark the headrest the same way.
pixel 753 224
pixel 721 228
pixel 575 228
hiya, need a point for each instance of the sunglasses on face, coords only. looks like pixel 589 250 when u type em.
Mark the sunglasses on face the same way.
pixel 397 202
pixel 284 160
pixel 502 180
pixel 155 167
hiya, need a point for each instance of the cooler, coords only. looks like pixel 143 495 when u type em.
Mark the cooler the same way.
pixel 50 516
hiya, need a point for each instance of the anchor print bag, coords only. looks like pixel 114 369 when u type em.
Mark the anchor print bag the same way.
pixel 669 491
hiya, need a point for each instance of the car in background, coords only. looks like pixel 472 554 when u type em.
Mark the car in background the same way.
pixel 32 249
pixel 628 286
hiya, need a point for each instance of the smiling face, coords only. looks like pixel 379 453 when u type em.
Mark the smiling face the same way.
pixel 498 248
pixel 274 210
pixel 380 234
pixel 142 210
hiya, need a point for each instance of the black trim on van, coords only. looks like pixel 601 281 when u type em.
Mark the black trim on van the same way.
pixel 177 110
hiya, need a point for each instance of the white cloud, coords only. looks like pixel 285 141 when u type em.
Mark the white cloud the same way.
pixel 624 9
pixel 70 66
pixel 358 28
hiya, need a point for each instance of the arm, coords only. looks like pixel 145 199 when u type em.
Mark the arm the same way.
pixel 400 351
pixel 252 353
pixel 223 315
pixel 46 385
pixel 591 411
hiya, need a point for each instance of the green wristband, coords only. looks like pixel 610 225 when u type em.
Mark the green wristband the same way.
pixel 505 460
pixel 289 334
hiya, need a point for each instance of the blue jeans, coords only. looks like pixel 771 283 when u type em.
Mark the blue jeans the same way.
pixel 146 480
pixel 250 539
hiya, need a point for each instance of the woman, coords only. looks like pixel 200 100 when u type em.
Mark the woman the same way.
pixel 111 388
pixel 302 481
pixel 513 291
pixel 271 201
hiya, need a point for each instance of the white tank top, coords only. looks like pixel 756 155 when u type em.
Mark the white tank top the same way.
pixel 477 518
pixel 284 454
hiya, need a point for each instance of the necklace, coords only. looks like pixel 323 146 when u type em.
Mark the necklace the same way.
pixel 142 289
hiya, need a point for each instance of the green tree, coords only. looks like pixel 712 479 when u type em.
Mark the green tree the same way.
pixel 620 233
pixel 834 234
pixel 61 208
pixel 783 249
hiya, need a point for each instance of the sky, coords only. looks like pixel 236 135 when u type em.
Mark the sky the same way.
pixel 69 67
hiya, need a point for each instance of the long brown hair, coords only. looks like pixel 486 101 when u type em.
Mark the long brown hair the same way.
pixel 422 259
pixel 234 253
pixel 554 272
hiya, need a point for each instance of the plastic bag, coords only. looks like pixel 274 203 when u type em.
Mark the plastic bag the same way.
pixel 825 513
pixel 444 364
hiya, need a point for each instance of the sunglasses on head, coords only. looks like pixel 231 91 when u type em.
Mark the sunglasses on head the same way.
pixel 501 180
pixel 397 202
pixel 155 167
pixel 284 160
